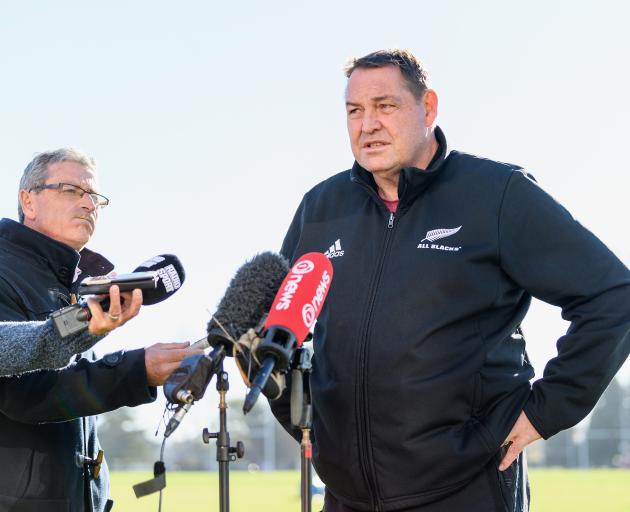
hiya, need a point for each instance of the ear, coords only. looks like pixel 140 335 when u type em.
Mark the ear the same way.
pixel 28 205
pixel 430 101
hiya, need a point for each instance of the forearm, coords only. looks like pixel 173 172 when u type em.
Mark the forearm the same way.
pixel 82 389
pixel 28 346
pixel 589 356
pixel 568 267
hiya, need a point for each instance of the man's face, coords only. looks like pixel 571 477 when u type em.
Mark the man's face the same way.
pixel 388 127
pixel 61 215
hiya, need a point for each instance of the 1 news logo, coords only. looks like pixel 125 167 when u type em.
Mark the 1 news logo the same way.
pixel 310 311
pixel 303 267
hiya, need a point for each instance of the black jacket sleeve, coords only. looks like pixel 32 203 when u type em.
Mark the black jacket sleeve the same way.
pixel 550 255
pixel 84 388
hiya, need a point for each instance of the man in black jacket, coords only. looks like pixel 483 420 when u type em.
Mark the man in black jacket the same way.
pixel 421 383
pixel 48 445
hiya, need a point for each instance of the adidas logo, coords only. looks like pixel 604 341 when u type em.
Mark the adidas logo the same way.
pixel 334 250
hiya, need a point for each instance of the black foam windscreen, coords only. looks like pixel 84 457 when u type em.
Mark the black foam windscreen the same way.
pixel 249 297
pixel 171 277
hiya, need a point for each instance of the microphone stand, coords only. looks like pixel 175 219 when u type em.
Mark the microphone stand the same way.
pixel 225 452
pixel 302 417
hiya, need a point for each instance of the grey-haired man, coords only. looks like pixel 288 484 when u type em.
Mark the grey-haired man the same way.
pixel 48 443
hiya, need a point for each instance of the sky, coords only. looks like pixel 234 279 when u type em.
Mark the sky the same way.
pixel 209 121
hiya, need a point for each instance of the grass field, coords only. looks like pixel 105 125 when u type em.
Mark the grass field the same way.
pixel 553 490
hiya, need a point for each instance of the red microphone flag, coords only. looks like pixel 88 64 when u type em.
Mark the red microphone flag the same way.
pixel 301 295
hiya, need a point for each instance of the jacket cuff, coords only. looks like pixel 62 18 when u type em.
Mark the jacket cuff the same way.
pixel 530 411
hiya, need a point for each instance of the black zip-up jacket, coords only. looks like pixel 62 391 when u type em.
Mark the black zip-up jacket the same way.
pixel 419 366
pixel 47 422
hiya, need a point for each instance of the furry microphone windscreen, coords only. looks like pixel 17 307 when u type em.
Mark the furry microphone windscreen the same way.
pixel 249 297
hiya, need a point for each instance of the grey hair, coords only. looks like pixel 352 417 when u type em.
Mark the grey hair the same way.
pixel 36 171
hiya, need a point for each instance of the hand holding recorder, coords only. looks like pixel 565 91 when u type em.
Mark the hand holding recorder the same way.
pixel 122 308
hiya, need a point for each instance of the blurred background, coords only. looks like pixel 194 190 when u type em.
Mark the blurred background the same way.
pixel 210 120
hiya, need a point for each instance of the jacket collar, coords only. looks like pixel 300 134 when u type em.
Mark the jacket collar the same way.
pixel 413 180
pixel 59 257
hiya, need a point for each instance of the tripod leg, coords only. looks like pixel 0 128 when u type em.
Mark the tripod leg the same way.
pixel 224 487
pixel 306 452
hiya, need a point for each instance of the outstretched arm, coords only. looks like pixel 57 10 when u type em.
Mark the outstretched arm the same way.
pixel 27 346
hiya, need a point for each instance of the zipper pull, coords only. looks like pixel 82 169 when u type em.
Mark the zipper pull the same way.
pixel 390 224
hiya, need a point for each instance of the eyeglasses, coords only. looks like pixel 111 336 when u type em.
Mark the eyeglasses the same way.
pixel 75 192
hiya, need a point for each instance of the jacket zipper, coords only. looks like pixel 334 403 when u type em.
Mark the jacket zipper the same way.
pixel 367 463
pixel 87 484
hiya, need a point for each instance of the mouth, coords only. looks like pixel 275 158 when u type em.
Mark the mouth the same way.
pixel 375 144
pixel 89 221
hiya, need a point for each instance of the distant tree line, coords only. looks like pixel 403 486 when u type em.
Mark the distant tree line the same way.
pixel 267 445
pixel 605 442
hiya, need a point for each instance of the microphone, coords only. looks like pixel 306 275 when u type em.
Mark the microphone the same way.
pixel 171 276
pixel 167 277
pixel 293 312
pixel 189 382
pixel 246 300
pixel 176 419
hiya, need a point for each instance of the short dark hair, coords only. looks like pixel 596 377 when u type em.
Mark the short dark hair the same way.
pixel 412 69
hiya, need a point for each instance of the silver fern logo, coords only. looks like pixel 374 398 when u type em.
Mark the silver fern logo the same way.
pixel 438 234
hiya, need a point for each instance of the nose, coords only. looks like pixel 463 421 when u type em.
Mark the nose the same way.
pixel 88 203
pixel 371 122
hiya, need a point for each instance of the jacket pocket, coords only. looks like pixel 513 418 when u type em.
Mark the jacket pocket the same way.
pixel 508 482
pixel 475 401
